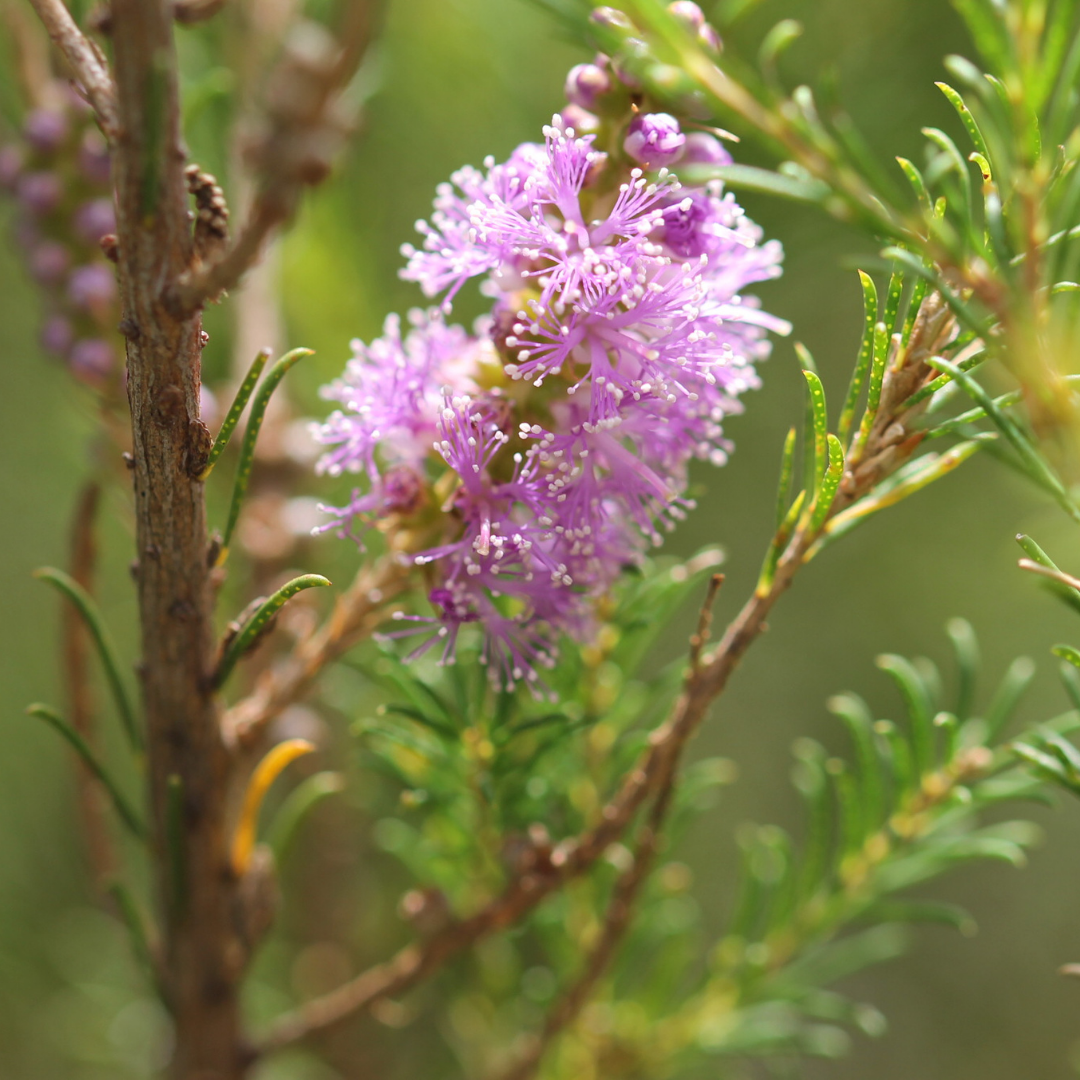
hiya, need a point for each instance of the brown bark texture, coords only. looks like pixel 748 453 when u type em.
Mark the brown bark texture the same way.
pixel 188 762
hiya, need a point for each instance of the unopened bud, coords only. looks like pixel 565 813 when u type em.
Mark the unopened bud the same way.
pixel 611 17
pixel 11 163
pixel 45 130
pixel 49 262
pixel 580 121
pixel 654 140
pixel 95 219
pixel 92 287
pixel 688 13
pixel 57 335
pixel 92 360
pixel 39 192
pixel 585 83
pixel 708 37
pixel 704 149
pixel 94 158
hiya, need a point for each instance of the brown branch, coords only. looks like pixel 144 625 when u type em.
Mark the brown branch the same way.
pixel 356 614
pixel 76 664
pixel 307 124
pixel 616 923
pixel 85 61
pixel 190 12
pixel 190 773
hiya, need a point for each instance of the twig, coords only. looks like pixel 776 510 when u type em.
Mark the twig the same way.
pixel 356 614
pixel 616 922
pixel 77 684
pixel 1050 572
pixel 306 129
pixel 704 624
pixel 190 12
pixel 85 61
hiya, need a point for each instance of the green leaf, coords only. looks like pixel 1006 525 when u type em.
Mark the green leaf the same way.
pixel 251 434
pixel 779 543
pixel 91 616
pixel 866 356
pixel 857 718
pixel 232 418
pixel 752 178
pixel 966 118
pixel 920 707
pixel 966 647
pixel 873 393
pixel 135 923
pixel 1067 652
pixel 1035 464
pixel 810 780
pixel 986 24
pixel 1017 679
pixel 124 810
pixel 918 184
pixel 297 808
pixel 899 757
pixel 914 477
pixel 819 417
pixel 924 911
pixel 787 469
pixel 252 630
pixel 830 484
pixel 1047 766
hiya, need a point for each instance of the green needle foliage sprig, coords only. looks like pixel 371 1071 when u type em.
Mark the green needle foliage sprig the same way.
pixel 124 810
pixel 906 810
pixel 106 649
pixel 259 403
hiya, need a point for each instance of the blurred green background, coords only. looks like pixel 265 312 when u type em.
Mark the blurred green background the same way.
pixel 457 80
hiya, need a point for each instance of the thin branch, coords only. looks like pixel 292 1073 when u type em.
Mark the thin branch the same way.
pixel 356 614
pixel 190 12
pixel 1051 572
pixel 616 922
pixel 85 61
pixel 307 125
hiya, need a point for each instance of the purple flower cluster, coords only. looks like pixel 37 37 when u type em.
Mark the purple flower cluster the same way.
pixel 526 464
pixel 58 174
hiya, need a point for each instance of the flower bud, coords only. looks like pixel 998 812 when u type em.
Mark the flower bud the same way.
pixel 57 335
pixel 49 262
pixel 39 192
pixel 708 37
pixel 654 140
pixel 704 149
pixel 688 13
pixel 94 158
pixel 92 359
pixel 45 130
pixel 95 219
pixel 92 287
pixel 580 120
pixel 11 163
pixel 585 83
pixel 611 17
